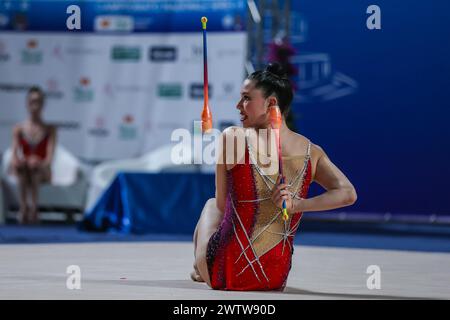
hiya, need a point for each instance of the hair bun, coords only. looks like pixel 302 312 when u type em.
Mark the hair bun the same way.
pixel 276 69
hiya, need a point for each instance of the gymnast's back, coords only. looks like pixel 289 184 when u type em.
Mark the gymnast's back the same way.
pixel 253 245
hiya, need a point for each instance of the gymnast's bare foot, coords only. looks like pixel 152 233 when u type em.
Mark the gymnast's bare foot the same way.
pixel 34 216
pixel 23 215
pixel 195 275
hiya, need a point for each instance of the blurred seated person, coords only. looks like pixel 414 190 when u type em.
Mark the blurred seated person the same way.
pixel 32 154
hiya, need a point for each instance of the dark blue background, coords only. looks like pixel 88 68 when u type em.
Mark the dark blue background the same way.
pixel 392 137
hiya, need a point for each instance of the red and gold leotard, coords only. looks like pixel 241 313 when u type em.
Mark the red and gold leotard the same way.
pixel 253 246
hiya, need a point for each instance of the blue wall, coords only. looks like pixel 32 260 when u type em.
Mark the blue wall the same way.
pixel 391 137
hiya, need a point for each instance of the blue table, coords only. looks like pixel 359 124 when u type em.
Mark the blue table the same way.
pixel 151 203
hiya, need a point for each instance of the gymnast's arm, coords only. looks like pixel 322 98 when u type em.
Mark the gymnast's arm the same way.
pixel 15 146
pixel 50 146
pixel 339 190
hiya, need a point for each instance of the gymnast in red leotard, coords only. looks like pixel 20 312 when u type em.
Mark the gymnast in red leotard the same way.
pixel 241 240
pixel 33 146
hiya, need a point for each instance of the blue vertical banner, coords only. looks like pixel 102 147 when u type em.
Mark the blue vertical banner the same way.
pixel 377 100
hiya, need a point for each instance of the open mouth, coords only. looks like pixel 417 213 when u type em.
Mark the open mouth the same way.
pixel 243 117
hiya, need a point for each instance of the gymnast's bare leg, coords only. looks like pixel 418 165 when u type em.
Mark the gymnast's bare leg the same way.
pixel 208 223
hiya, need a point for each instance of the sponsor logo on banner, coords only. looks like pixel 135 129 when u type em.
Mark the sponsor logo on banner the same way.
pixel 4 55
pixel 197 51
pixel 196 91
pixel 230 22
pixel 11 87
pixel 299 28
pixel 195 54
pixel 125 53
pixel 317 81
pixel 111 90
pixel 32 54
pixel 163 54
pixel 83 92
pixel 170 90
pixel 83 51
pixel 227 21
pixel 99 130
pixel 228 88
pixel 66 125
pixel 114 23
pixel 127 129
pixel 53 91
pixel 227 91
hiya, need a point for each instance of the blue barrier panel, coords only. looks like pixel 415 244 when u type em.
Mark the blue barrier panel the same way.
pixel 144 203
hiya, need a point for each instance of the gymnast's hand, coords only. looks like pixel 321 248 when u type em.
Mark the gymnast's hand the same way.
pixel 17 163
pixel 280 193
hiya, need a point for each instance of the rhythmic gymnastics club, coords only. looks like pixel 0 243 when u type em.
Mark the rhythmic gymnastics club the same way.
pixel 206 113
pixel 275 121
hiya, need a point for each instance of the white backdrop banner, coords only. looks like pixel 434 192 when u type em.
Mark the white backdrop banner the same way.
pixel 120 93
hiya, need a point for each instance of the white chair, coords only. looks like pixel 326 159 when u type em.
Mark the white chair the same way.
pixel 66 192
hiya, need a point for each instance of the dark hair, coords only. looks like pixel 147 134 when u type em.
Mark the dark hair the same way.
pixel 36 89
pixel 273 80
